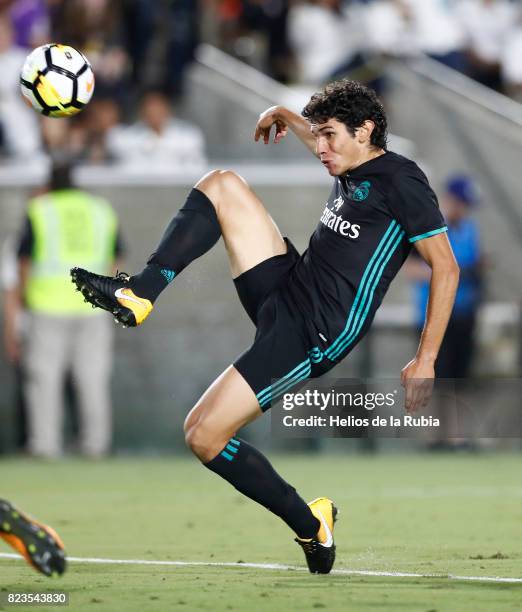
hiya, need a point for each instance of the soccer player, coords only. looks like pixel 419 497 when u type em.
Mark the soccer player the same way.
pixel 310 310
pixel 39 544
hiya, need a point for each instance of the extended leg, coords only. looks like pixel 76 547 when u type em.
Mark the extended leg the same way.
pixel 210 430
pixel 221 204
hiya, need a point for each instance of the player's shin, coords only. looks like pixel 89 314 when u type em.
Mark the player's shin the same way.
pixel 192 232
pixel 251 473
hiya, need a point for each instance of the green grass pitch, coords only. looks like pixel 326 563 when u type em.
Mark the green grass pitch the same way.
pixel 436 515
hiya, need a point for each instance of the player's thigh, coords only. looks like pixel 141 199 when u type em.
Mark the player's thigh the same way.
pixel 249 232
pixel 226 406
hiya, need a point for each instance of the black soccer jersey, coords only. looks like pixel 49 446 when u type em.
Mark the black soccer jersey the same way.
pixel 366 230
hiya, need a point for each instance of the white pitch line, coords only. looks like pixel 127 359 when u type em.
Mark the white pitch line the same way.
pixel 277 566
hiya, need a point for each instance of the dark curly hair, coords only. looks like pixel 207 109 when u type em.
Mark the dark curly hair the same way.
pixel 350 103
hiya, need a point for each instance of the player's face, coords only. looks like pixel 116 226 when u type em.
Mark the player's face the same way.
pixel 337 149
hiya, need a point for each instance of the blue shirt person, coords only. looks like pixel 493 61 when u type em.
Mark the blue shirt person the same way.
pixel 458 202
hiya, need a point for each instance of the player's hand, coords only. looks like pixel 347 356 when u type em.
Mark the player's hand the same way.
pixel 417 378
pixel 271 117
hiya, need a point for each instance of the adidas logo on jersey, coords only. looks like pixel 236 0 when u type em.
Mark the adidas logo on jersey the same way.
pixel 338 224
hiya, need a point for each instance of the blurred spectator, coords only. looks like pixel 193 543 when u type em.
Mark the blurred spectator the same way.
pixel 386 28
pixel 158 140
pixel 92 130
pixel 14 333
pixel 435 30
pixel 140 18
pixel 63 227
pixel 270 17
pixel 406 28
pixel 31 23
pixel 96 28
pixel 324 37
pixel 65 138
pixel 132 44
pixel 458 347
pixel 512 61
pixel 457 205
pixel 255 31
pixel 15 338
pixel 160 38
pixel 15 142
pixel 227 15
pixel 181 27
pixel 487 24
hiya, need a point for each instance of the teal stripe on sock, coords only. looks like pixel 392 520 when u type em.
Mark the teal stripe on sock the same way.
pixel 232 449
pixel 227 455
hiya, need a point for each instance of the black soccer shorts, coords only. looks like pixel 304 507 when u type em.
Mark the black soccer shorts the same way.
pixel 284 353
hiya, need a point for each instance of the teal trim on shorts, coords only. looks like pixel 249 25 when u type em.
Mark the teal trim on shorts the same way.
pixel 268 391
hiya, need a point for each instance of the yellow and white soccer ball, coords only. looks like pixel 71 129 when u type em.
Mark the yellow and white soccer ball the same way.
pixel 57 80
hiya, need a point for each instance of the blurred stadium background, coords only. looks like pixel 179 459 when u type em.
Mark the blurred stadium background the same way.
pixel 446 72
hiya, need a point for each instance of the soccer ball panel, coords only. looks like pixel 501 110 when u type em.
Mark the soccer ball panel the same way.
pixel 85 86
pixel 57 80
pixel 67 57
pixel 34 62
pixel 31 100
pixel 64 112
pixel 54 88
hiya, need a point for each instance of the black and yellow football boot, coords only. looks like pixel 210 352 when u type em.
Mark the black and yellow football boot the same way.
pixel 112 294
pixel 320 551
pixel 39 544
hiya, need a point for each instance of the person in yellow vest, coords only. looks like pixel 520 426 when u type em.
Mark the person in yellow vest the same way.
pixel 62 226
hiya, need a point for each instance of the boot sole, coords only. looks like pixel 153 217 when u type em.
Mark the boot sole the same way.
pixel 33 540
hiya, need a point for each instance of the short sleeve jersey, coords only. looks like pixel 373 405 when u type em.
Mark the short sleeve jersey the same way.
pixel 371 219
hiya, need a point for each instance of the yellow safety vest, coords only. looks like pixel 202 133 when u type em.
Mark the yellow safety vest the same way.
pixel 70 228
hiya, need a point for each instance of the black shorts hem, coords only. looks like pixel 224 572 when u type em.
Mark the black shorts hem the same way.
pixel 255 285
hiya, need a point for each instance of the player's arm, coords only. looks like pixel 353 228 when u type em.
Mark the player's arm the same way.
pixel 283 120
pixel 417 375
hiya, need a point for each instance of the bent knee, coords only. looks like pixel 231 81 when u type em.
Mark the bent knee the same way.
pixel 218 182
pixel 202 443
pixel 221 177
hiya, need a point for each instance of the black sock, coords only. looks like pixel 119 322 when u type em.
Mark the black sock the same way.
pixel 193 231
pixel 250 473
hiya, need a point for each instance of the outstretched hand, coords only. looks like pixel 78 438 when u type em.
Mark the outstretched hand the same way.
pixel 417 378
pixel 267 119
